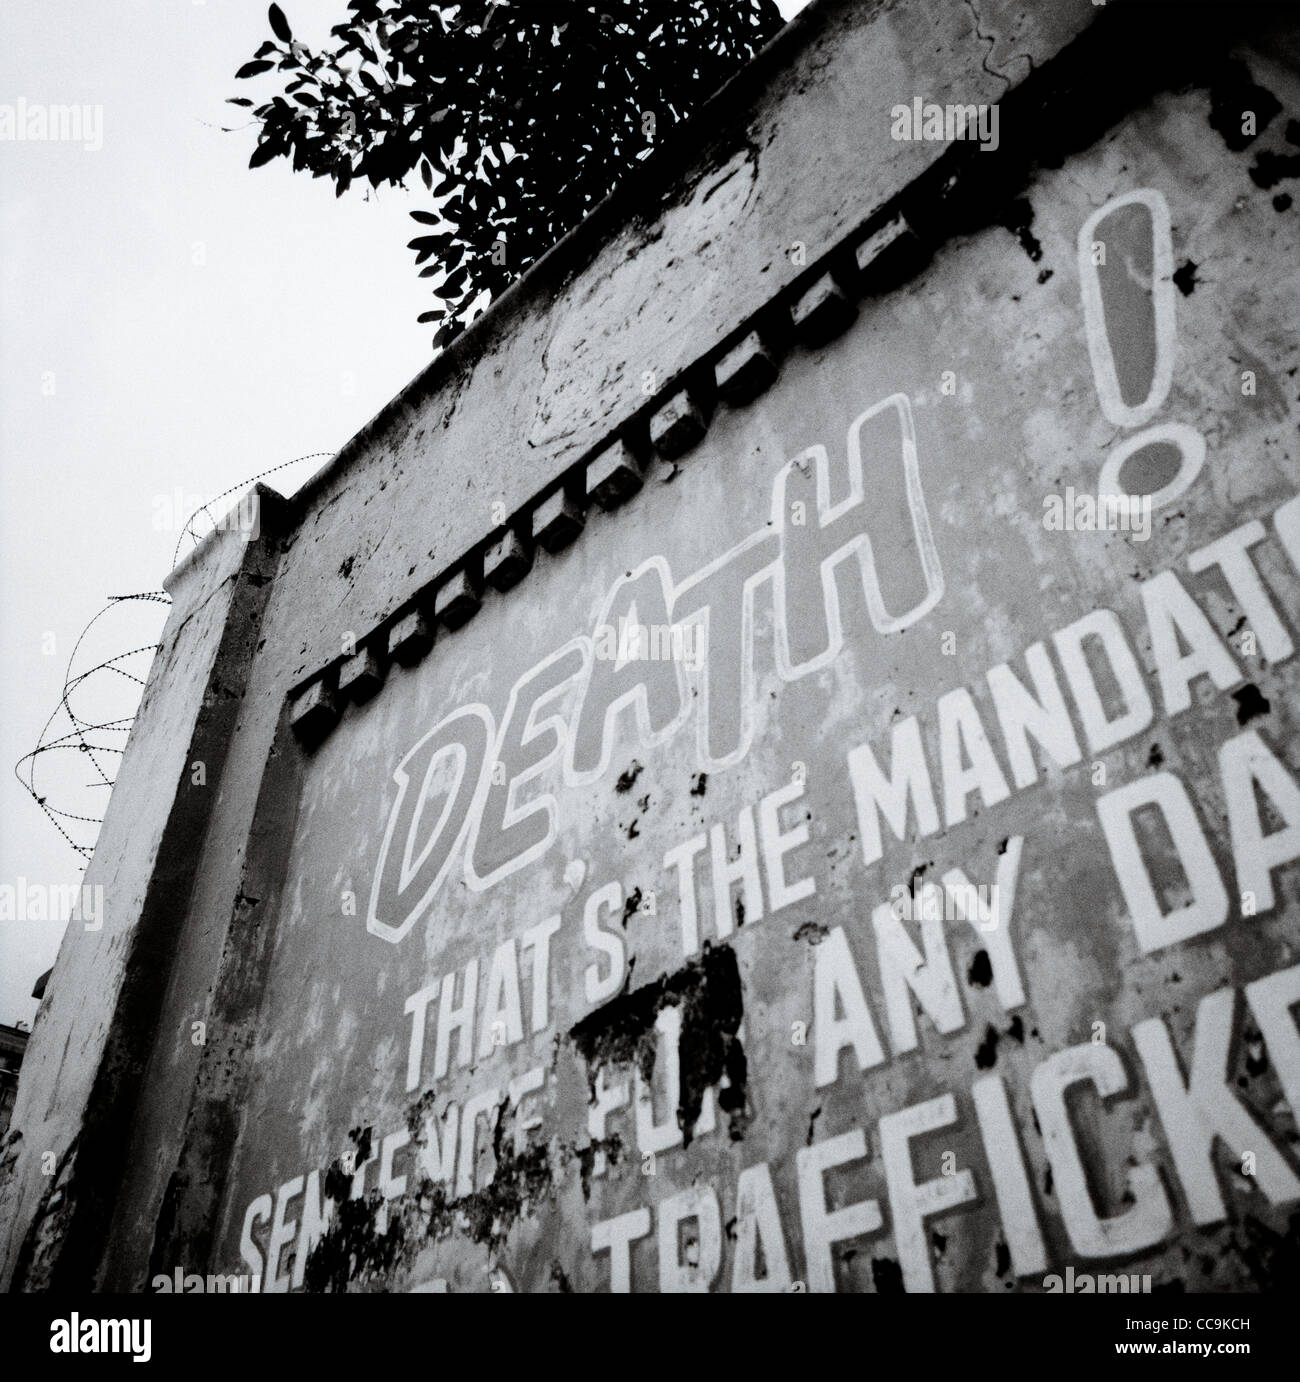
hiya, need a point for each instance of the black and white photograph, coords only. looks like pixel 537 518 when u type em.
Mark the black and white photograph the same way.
pixel 651 647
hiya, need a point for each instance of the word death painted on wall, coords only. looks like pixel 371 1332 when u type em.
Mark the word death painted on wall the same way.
pixel 927 921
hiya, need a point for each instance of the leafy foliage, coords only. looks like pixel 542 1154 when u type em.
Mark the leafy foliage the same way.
pixel 518 115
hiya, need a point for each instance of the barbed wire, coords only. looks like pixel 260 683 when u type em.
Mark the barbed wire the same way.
pixel 76 738
pixel 188 530
pixel 79 738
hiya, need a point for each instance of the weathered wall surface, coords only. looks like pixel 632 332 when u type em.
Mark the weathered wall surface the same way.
pixel 797 153
pixel 554 965
pixel 63 1159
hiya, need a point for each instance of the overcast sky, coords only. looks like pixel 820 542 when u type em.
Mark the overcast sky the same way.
pixel 169 321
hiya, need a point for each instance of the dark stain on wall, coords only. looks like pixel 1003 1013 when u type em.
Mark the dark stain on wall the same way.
pixel 986 1054
pixel 1251 703
pixel 370 1238
pixel 1270 168
pixel 1185 279
pixel 1017 218
pixel 626 779
pixel 980 973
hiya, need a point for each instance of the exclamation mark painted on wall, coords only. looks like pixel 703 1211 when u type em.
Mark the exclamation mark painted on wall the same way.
pixel 1126 266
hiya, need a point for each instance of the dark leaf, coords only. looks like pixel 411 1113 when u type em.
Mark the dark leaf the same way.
pixel 238 101
pixel 279 24
pixel 253 69
pixel 450 331
pixel 264 153
pixel 455 285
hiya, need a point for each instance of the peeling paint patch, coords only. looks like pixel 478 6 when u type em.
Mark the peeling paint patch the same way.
pixel 355 1251
pixel 1234 94
pixel 612 1147
pixel 1270 168
pixel 708 991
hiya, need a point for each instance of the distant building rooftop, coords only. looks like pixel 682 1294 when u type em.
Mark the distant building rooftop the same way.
pixel 13 1043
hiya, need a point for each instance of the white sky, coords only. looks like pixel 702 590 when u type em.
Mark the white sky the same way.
pixel 169 320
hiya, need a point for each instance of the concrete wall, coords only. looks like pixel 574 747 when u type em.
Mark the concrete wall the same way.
pixel 833 396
